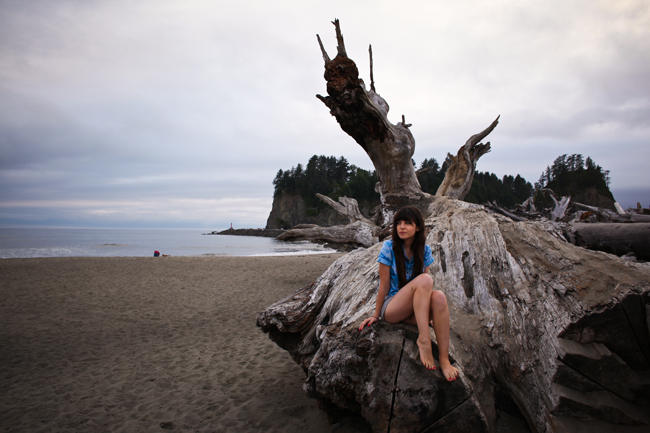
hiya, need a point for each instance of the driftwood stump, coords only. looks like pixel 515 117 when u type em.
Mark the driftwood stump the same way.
pixel 562 331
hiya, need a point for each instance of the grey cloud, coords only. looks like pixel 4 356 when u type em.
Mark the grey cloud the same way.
pixel 155 101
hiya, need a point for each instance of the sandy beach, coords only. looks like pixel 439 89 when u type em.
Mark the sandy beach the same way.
pixel 151 344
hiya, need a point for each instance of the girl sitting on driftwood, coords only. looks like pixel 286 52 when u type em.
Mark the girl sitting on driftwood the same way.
pixel 406 289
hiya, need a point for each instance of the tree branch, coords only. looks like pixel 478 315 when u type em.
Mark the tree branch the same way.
pixel 481 135
pixel 372 78
pixel 339 39
pixel 502 211
pixel 326 57
pixel 460 174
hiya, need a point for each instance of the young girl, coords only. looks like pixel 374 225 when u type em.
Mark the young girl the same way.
pixel 406 289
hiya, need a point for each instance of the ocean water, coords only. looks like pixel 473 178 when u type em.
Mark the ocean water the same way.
pixel 25 243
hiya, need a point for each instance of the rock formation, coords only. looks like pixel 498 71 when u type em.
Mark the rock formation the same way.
pixel 263 233
pixel 290 210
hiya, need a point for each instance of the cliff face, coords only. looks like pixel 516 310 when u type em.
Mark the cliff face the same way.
pixel 592 197
pixel 290 210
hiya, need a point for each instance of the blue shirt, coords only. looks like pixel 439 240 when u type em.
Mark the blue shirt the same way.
pixel 387 258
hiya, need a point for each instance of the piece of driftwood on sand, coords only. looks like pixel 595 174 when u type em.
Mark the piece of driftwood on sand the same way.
pixel 559 330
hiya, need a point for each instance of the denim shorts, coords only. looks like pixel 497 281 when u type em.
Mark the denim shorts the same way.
pixel 387 299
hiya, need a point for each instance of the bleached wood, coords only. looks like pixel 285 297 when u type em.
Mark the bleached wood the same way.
pixel 513 290
pixel 358 233
pixel 362 114
pixel 517 292
pixel 347 207
pixel 459 175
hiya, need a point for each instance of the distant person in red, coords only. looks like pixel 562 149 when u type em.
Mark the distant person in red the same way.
pixel 156 253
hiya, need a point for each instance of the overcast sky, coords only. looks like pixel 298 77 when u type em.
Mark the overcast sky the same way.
pixel 178 114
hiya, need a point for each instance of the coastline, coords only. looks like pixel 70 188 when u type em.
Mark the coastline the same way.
pixel 264 233
pixel 146 344
pixel 28 243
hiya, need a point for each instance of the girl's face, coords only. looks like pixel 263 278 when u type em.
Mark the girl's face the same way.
pixel 406 229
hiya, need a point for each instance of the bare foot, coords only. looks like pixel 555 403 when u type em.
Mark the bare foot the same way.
pixel 448 371
pixel 426 356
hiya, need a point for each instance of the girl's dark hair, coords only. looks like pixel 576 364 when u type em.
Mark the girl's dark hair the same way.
pixel 414 216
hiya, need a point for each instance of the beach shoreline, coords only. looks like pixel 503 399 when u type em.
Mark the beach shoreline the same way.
pixel 151 344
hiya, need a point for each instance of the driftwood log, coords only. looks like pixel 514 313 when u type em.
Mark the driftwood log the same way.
pixel 560 204
pixel 606 215
pixel 359 232
pixel 600 229
pixel 615 238
pixel 347 207
pixel 354 234
pixel 561 330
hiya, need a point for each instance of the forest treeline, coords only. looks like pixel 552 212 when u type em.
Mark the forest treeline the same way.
pixel 486 186
pixel 335 177
pixel 329 176
pixel 571 174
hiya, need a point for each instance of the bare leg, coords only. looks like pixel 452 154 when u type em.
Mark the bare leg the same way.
pixel 421 308
pixel 414 301
pixel 440 313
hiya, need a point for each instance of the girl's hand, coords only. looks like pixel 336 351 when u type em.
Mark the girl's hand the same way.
pixel 367 322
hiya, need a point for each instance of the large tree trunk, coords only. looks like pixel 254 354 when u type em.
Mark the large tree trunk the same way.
pixel 363 115
pixel 562 330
